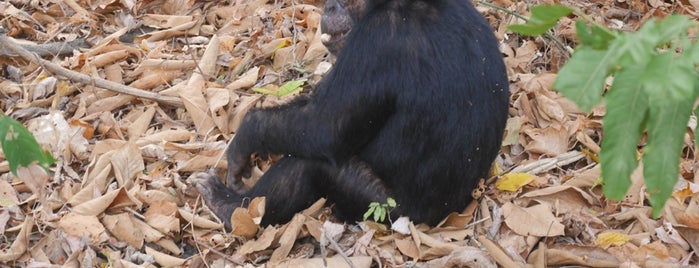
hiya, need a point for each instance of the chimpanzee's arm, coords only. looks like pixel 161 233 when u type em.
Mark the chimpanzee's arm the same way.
pixel 330 125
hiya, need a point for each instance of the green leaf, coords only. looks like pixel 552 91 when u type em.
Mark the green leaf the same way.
pixel 624 123
pixel 692 53
pixel 582 79
pixel 368 213
pixel 669 79
pixel 631 49
pixel 544 17
pixel 593 35
pixel 377 213
pixel 291 87
pixel 265 91
pixel 391 202
pixel 20 147
pixel 639 47
pixel 667 125
pixel 286 89
pixel 696 135
pixel 670 28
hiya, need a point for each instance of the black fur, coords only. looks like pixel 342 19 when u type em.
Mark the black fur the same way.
pixel 414 109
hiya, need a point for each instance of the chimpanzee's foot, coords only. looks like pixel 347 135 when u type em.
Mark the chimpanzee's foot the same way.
pixel 219 198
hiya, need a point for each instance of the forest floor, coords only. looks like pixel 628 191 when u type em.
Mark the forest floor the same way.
pixel 121 193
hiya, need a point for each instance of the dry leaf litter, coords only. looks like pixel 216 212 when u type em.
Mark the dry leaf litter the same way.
pixel 134 96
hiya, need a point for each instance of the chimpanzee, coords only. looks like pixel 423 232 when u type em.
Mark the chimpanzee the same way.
pixel 414 109
pixel 337 21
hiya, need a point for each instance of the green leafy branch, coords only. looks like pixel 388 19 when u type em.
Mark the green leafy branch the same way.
pixel 653 92
pixel 380 211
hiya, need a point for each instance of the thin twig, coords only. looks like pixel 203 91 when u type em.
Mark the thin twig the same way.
pixel 83 78
pixel 217 252
pixel 338 250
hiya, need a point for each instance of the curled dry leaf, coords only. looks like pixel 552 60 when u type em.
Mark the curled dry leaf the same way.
pixel 198 221
pixel 109 103
pixel 242 223
pixel 164 259
pixel 256 209
pixel 588 256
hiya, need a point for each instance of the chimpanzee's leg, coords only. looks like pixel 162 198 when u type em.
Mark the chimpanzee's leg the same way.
pixel 289 186
pixel 354 188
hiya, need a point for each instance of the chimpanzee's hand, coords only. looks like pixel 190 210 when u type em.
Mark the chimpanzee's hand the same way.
pixel 238 166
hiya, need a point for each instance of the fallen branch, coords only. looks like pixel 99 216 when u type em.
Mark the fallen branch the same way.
pixel 83 78
pixel 50 49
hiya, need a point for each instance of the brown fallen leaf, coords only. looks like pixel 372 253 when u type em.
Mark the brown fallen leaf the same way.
pixel 261 243
pixel 242 223
pixel 357 262
pixel 20 244
pixel 127 162
pixel 286 241
pixel 121 226
pixel 464 257
pixel 117 198
pixel 562 198
pixel 560 255
pixel 498 253
pixel 83 225
pixel 164 259
pixel 537 220
pixel 407 247
pixel 198 221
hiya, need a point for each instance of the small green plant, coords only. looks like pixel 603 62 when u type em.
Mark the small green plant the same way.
pixel 380 211
pixel 655 85
pixel 286 89
pixel 20 147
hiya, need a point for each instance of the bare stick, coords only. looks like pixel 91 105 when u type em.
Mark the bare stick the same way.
pixel 83 78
